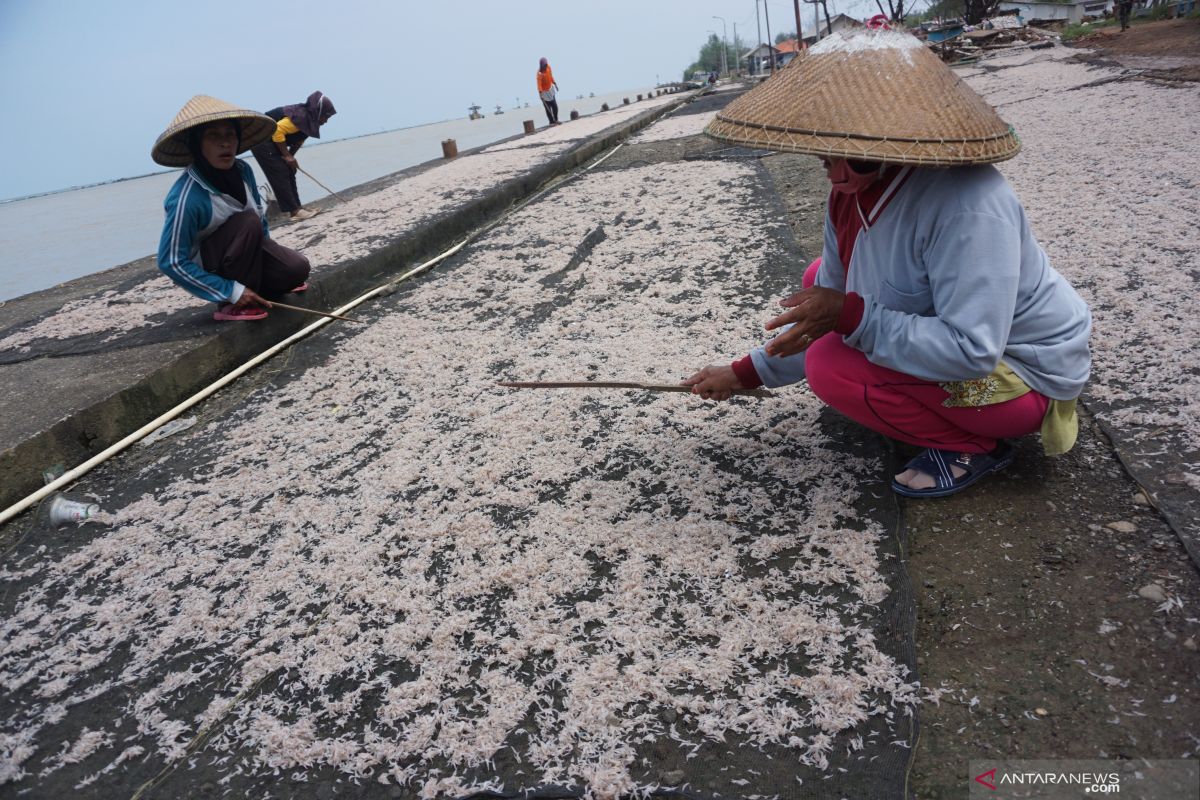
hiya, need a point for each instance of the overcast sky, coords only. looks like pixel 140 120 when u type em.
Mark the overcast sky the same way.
pixel 87 85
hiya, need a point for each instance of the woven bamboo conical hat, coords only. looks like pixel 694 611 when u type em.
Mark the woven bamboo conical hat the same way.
pixel 170 149
pixel 876 95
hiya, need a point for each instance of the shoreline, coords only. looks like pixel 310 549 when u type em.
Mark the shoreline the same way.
pixel 54 238
pixel 124 179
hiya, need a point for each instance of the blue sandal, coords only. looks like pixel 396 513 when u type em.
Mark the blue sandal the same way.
pixel 938 463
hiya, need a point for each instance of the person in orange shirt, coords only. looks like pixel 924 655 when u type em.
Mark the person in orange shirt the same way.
pixel 547 87
pixel 277 157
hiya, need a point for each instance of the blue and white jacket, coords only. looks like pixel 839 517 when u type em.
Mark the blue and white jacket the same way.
pixel 194 210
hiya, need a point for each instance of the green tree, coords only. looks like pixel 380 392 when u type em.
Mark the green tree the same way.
pixel 709 60
pixel 972 11
pixel 710 56
pixel 780 38
pixel 946 8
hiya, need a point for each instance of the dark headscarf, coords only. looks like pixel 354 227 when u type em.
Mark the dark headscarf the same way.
pixel 542 65
pixel 227 181
pixel 307 115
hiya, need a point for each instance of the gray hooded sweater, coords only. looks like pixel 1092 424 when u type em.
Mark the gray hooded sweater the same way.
pixel 953 282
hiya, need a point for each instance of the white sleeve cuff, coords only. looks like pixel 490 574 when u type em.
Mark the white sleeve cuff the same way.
pixel 236 294
pixel 776 371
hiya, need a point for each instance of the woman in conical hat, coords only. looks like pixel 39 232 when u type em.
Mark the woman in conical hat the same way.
pixel 215 241
pixel 933 316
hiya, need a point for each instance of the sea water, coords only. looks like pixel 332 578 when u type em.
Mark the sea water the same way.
pixel 53 238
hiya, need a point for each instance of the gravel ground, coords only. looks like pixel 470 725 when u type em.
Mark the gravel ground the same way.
pixel 1060 588
pixel 1167 50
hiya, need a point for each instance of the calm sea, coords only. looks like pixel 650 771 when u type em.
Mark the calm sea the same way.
pixel 47 240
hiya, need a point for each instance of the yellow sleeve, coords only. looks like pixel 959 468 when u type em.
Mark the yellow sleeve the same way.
pixel 284 128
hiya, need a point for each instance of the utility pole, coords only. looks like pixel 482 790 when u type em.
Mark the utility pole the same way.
pixel 767 16
pixel 737 52
pixel 799 29
pixel 758 44
pixel 724 46
pixel 817 18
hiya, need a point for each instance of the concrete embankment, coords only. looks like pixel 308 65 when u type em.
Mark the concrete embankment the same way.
pixel 85 363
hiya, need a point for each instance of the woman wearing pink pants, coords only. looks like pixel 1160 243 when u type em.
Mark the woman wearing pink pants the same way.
pixel 933 316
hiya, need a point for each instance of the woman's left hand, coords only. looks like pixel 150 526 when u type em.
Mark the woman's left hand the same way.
pixel 812 314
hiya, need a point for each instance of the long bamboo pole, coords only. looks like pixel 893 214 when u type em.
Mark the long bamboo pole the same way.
pixel 650 387
pixel 318 183
pixel 277 304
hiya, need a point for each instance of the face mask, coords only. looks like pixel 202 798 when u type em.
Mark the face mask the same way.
pixel 846 181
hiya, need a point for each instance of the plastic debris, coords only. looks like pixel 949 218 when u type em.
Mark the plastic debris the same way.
pixel 63 511
pixel 170 429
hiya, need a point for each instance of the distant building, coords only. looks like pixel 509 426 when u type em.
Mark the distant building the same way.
pixel 759 59
pixel 787 50
pixel 838 22
pixel 1072 12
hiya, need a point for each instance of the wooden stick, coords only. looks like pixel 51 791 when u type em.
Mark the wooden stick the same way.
pixel 277 304
pixel 650 387
pixel 318 183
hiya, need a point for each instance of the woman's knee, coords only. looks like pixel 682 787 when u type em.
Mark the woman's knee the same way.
pixel 286 261
pixel 233 245
pixel 829 368
pixel 810 274
pixel 245 225
pixel 821 371
pixel 303 267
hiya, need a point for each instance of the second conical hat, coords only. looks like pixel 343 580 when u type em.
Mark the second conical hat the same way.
pixel 877 95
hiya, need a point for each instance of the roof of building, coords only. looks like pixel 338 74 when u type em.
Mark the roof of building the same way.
pixel 763 50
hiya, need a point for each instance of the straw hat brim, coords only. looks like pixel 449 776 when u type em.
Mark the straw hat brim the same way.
pixel 170 149
pixel 874 95
pixel 943 152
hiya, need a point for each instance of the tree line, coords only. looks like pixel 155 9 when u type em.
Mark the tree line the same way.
pixel 709 59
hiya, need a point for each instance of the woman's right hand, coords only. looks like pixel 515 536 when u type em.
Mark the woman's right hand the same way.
pixel 714 382
pixel 251 298
pixel 290 160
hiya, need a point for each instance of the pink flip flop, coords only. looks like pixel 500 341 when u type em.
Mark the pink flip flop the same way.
pixel 227 312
